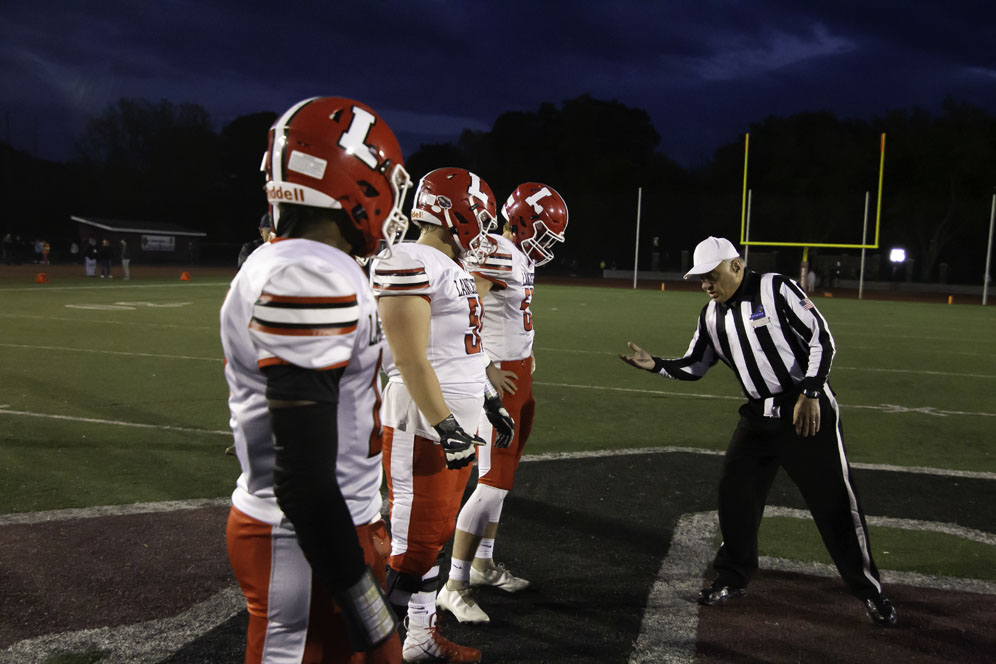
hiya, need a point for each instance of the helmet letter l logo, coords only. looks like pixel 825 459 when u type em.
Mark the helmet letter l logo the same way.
pixel 353 140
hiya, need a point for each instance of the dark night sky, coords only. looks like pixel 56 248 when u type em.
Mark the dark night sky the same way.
pixel 703 69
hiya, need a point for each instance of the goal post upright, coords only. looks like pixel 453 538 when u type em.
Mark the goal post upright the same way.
pixel 744 241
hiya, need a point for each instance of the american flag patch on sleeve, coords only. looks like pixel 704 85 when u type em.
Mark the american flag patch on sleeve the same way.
pixel 807 303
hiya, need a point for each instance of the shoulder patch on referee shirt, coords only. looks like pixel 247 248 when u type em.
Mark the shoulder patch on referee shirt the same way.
pixel 807 303
pixel 304 316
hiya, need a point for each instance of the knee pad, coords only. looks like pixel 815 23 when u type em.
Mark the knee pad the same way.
pixel 483 507
pixel 409 584
pixel 400 586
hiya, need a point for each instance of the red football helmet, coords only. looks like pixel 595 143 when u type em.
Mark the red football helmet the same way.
pixel 331 152
pixel 462 203
pixel 537 216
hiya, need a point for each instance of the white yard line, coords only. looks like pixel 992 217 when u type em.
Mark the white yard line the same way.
pixel 670 621
pixel 115 352
pixel 888 408
pixel 836 366
pixel 37 290
pixel 95 420
pixel 921 470
pixel 149 641
pixel 77 513
pixel 77 321
pixel 197 503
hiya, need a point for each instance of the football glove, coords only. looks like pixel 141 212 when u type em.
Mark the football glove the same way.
pixel 500 419
pixel 458 445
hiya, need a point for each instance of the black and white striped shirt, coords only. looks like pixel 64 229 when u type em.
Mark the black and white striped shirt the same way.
pixel 768 332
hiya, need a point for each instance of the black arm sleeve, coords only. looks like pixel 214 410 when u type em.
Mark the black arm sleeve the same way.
pixel 306 445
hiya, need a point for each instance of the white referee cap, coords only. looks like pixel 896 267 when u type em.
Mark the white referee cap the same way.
pixel 709 253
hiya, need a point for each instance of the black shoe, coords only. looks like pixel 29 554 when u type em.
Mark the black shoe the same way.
pixel 720 593
pixel 880 611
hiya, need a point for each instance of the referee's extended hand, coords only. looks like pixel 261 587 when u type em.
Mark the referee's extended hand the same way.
pixel 806 416
pixel 640 358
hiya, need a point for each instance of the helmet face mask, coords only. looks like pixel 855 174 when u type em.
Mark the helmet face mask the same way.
pixel 337 153
pixel 537 218
pixel 463 204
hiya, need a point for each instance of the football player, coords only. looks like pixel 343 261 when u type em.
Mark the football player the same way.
pixel 303 350
pixel 535 221
pixel 431 313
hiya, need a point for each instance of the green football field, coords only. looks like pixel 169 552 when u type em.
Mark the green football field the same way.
pixel 114 392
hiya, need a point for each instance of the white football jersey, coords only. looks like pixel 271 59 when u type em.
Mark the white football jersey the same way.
pixel 304 303
pixel 508 322
pixel 455 347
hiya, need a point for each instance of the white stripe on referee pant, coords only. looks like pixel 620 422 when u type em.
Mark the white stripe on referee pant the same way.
pixel 859 529
pixel 288 600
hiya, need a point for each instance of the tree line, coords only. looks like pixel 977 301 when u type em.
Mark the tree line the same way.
pixel 807 175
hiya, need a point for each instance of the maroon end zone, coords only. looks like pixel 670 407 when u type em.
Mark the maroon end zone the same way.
pixel 789 617
pixel 108 571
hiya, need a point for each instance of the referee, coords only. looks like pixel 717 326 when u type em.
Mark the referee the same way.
pixel 779 346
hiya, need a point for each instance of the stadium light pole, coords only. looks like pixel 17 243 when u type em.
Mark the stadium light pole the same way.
pixel 864 233
pixel 989 253
pixel 636 250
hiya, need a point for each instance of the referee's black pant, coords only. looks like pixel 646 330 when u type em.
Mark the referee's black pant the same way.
pixel 818 466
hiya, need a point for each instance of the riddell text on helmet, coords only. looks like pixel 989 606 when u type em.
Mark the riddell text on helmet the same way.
pixel 278 192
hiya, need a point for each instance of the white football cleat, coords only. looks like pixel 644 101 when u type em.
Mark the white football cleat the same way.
pixel 426 644
pixel 461 604
pixel 497 577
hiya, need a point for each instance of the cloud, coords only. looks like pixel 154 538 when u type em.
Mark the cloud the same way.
pixel 778 50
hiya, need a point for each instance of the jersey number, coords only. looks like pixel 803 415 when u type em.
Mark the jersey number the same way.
pixel 527 318
pixel 472 340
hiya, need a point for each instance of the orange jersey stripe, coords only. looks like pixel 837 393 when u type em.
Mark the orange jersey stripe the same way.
pixel 290 299
pixel 303 332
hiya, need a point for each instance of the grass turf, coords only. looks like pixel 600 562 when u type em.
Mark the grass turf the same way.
pixel 915 382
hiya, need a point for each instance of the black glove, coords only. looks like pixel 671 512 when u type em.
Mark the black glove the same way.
pixel 369 618
pixel 458 445
pixel 500 419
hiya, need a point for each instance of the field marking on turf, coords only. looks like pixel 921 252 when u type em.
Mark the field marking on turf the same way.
pixel 149 641
pixel 110 322
pixel 115 352
pixel 96 420
pixel 909 371
pixel 885 407
pixel 669 629
pixel 35 290
pixel 77 513
pixel 920 470
pixel 70 514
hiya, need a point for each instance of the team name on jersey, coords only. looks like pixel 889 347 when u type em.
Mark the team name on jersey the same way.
pixel 530 278
pixel 376 330
pixel 465 286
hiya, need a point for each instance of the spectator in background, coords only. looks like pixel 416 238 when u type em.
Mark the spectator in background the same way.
pixel 90 257
pixel 8 248
pixel 265 235
pixel 74 252
pixel 125 258
pixel 104 256
pixel 38 250
pixel 46 250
